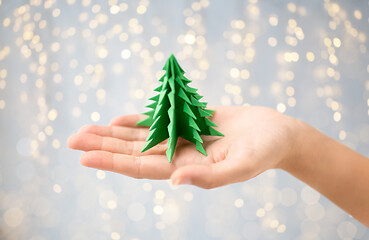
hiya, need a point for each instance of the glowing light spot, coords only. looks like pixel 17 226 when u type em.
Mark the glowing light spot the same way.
pixel 238 24
pixel 160 194
pixel 49 130
pixel 347 230
pixel 332 25
pixel 188 196
pixel 310 56
pixel 27 35
pixel 330 72
pixel 101 52
pixel 27 147
pixel 260 212
pixel 268 206
pixel 56 144
pixel 291 7
pixel 291 41
pixel 147 187
pixel 292 23
pixel 190 38
pixel 56 12
pixel 158 210
pixel 253 10
pixel 287 57
pixel 2 84
pixel 245 74
pixel 327 42
pixel 114 9
pixel 238 203
pixel 125 54
pixel 309 195
pixel 82 98
pixel 274 223
pixel 291 101
pixel 95 116
pixel 196 6
pixel 272 41
pixel 337 42
pixel 337 116
pixel 3 73
pixel 5 52
pixel 115 236
pixel 100 174
pixel 290 91
pixel 100 93
pixel 342 135
pixel 281 107
pixel 141 9
pixel 78 80
pixel 288 197
pixel 155 41
pixel 254 91
pixel 315 212
pixel 273 20
pixel 112 204
pixel 333 59
pixel 57 188
pixel 234 72
pixel 136 211
pixel 334 106
pixel 52 115
pixel 6 22
pixel 290 75
pixel 281 228
pixel 123 7
pixel 138 94
pixel 13 217
pixel 294 56
pixel 2 104
pixel 357 14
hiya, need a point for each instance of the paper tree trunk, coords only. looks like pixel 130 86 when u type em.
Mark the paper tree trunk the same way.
pixel 177 112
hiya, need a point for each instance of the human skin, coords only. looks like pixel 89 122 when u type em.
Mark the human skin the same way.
pixel 255 139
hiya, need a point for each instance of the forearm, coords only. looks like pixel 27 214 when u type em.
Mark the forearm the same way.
pixel 333 169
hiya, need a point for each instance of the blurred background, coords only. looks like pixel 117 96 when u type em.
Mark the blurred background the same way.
pixel 67 63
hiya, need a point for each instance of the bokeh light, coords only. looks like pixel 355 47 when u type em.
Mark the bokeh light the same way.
pixel 64 64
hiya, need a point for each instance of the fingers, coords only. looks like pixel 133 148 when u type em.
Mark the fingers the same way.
pixel 210 176
pixel 128 120
pixel 124 133
pixel 151 167
pixel 90 142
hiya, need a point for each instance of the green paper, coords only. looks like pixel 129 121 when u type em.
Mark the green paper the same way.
pixel 177 112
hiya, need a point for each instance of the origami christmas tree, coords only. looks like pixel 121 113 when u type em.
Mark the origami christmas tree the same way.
pixel 177 112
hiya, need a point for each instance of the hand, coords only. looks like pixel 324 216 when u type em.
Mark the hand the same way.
pixel 256 139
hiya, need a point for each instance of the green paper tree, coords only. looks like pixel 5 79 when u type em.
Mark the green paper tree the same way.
pixel 177 112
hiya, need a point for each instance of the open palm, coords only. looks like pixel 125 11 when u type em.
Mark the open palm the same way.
pixel 256 139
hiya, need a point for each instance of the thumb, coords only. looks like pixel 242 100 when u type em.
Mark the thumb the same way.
pixel 204 176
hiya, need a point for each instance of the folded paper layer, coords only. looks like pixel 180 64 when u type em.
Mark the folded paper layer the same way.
pixel 177 112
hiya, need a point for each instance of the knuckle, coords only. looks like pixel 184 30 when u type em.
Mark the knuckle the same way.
pixel 113 162
pixel 115 120
pixel 207 186
pixel 88 128
pixel 138 163
pixel 210 184
pixel 132 148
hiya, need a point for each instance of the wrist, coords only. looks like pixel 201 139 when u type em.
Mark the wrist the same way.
pixel 302 143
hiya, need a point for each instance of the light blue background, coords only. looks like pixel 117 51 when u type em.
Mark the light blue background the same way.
pixel 46 194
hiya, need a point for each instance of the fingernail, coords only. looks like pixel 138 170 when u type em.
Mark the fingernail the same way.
pixel 182 181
